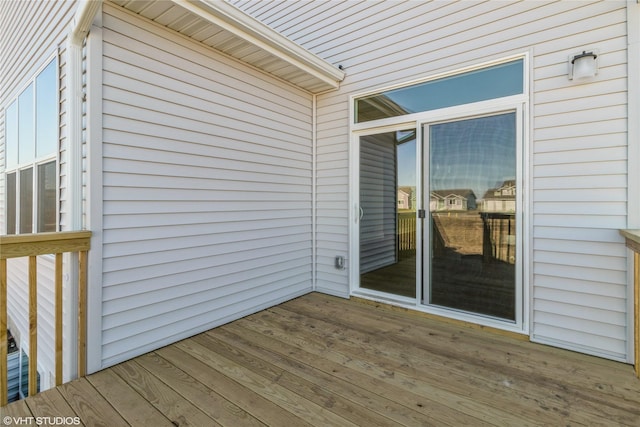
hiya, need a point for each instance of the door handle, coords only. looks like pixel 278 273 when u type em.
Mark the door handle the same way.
pixel 361 213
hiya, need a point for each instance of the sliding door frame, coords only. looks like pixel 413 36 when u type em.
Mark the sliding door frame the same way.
pixel 517 103
pixel 520 300
pixel 354 211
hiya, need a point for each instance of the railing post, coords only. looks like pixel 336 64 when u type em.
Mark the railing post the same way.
pixel 33 325
pixel 82 313
pixel 632 240
pixel 4 379
pixel 58 317
pixel 636 305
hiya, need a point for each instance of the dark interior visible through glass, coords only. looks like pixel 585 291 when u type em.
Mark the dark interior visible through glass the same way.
pixel 11 203
pixel 26 201
pixel 47 197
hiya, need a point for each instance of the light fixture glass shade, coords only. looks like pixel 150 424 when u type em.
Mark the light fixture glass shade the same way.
pixel 584 65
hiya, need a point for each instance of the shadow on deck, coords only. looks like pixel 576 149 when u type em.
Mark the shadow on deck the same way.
pixel 319 360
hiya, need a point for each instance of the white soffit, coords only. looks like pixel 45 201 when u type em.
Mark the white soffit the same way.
pixel 223 27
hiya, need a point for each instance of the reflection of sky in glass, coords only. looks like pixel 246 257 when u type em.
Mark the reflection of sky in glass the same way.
pixel 11 122
pixel 476 154
pixel 479 85
pixel 26 148
pixel 32 129
pixel 407 159
pixel 47 111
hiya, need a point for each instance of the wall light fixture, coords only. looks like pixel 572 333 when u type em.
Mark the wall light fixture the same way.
pixel 583 65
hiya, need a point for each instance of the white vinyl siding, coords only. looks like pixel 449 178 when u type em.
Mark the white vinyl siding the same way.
pixel 22 55
pixel 207 172
pixel 3 184
pixel 332 192
pixel 577 178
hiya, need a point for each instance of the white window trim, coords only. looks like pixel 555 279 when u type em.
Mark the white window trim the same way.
pixel 55 156
pixel 518 103
pixel 94 202
pixel 34 191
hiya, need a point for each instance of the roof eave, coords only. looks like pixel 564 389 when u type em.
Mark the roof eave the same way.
pixel 235 21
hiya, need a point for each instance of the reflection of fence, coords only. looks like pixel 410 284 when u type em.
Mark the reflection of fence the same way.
pixel 499 240
pixel 493 234
pixel 406 232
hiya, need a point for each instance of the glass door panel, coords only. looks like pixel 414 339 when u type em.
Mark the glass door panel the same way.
pixel 472 215
pixel 388 212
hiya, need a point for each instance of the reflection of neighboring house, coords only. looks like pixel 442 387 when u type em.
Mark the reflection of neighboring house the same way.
pixel 501 199
pixel 452 200
pixel 403 199
pixel 406 197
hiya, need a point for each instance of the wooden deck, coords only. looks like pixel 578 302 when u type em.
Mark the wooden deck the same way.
pixel 324 361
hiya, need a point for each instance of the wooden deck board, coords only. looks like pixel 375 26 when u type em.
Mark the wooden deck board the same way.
pixel 50 404
pixel 528 374
pixel 331 376
pixel 469 345
pixel 174 406
pixel 311 390
pixel 92 408
pixel 522 358
pixel 557 371
pixel 324 361
pixel 211 403
pixel 131 406
pixel 292 402
pixel 435 400
pixel 254 404
pixel 18 409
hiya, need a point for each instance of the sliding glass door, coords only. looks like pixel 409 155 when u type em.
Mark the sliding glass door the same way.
pixel 438 217
pixel 454 236
pixel 470 239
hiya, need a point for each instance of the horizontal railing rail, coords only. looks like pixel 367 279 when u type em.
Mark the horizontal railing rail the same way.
pixel 32 245
pixel 632 239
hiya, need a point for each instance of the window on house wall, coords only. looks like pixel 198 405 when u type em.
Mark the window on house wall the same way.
pixel 473 86
pixel 31 141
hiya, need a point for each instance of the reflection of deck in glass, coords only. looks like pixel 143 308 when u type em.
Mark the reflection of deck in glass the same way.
pixel 397 279
pixel 473 262
pixel 465 282
pixel 472 266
